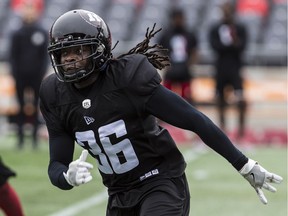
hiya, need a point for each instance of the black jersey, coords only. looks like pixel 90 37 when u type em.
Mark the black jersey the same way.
pixel 112 124
pixel 180 44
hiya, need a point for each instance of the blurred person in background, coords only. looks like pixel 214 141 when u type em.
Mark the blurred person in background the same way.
pixel 9 201
pixel 28 61
pixel 228 40
pixel 182 47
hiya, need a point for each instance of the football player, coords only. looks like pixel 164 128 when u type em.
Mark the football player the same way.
pixel 110 106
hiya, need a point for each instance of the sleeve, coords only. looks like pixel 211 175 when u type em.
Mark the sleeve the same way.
pixel 61 145
pixel 61 148
pixel 143 77
pixel 142 81
pixel 48 102
pixel 214 39
pixel 169 107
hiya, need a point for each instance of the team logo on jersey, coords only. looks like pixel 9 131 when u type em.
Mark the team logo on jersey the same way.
pixel 86 103
pixel 149 174
pixel 88 120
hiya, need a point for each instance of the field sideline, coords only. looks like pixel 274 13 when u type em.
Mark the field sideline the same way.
pixel 216 189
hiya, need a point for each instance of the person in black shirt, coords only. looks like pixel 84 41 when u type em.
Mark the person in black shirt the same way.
pixel 28 61
pixel 109 106
pixel 182 49
pixel 228 39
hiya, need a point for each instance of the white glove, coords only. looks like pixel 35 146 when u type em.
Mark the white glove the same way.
pixel 258 177
pixel 78 172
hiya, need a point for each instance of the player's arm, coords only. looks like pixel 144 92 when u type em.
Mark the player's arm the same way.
pixel 61 149
pixel 61 145
pixel 63 171
pixel 172 109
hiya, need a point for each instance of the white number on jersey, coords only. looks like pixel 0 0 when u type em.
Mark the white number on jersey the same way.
pixel 112 152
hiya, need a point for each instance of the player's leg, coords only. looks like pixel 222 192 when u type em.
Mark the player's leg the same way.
pixel 114 208
pixel 221 102
pixel 121 212
pixel 221 81
pixel 35 85
pixel 9 201
pixel 186 91
pixel 171 199
pixel 241 103
pixel 20 88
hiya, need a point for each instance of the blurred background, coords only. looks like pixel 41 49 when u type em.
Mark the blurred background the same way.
pixel 265 56
pixel 264 72
pixel 128 20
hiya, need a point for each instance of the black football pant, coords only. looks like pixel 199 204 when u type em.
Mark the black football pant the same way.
pixel 169 199
pixel 21 86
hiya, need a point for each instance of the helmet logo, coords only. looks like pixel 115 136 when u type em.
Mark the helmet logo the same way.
pixel 86 103
pixel 91 18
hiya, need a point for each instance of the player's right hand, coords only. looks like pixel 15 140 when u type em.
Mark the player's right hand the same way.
pixel 78 172
pixel 259 178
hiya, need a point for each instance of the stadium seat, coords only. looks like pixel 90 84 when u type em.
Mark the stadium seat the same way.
pixel 129 19
pixel 97 6
pixel 149 15
pixel 120 19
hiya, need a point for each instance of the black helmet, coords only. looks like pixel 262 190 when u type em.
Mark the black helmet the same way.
pixel 78 28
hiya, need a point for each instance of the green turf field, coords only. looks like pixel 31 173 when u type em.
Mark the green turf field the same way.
pixel 216 188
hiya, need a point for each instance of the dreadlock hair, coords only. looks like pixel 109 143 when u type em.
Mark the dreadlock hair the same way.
pixel 155 54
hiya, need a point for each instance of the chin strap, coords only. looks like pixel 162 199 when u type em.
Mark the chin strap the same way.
pixel 104 66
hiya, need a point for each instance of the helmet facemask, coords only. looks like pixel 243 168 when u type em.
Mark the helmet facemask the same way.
pixel 95 60
pixel 79 28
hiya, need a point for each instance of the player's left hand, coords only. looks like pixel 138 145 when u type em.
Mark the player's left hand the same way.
pixel 259 178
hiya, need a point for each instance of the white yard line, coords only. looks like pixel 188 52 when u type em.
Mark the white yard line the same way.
pixel 76 208
pixel 195 153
